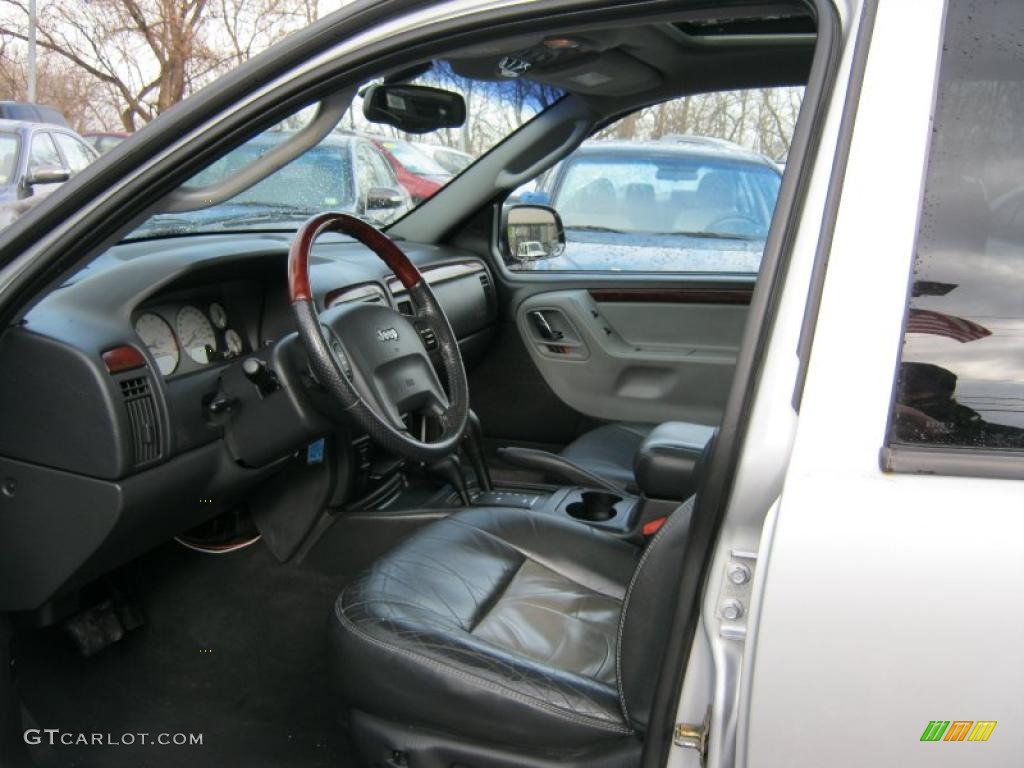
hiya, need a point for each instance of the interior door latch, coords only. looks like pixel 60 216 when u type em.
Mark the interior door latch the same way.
pixel 544 327
pixel 692 736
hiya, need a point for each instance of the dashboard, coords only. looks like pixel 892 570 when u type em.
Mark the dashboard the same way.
pixel 127 415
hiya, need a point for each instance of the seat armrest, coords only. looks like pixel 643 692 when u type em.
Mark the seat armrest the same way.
pixel 666 462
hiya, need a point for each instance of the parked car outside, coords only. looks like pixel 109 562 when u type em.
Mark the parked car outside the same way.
pixel 32 113
pixel 417 172
pixel 342 173
pixel 454 161
pixel 531 251
pixel 104 141
pixel 35 159
pixel 677 204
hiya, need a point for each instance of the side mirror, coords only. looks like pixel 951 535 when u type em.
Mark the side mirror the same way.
pixel 533 232
pixel 47 174
pixel 414 108
pixel 384 199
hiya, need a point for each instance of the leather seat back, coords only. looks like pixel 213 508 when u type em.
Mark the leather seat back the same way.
pixel 646 618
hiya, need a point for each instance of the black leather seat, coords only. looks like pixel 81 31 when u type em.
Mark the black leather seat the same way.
pixel 503 626
pixel 609 451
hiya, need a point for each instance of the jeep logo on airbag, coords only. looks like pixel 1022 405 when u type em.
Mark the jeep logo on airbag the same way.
pixel 387 334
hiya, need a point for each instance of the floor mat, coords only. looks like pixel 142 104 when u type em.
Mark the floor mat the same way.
pixel 234 649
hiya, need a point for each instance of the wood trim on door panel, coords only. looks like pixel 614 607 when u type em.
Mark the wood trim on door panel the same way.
pixel 673 295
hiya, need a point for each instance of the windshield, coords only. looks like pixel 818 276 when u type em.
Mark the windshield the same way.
pixel 320 177
pixel 413 159
pixel 8 156
pixel 366 169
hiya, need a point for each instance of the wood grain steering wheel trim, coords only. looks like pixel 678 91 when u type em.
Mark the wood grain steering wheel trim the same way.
pixel 379 243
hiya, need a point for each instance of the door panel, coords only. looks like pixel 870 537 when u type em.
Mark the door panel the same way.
pixel 647 355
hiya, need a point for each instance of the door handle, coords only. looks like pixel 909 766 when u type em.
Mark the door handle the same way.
pixel 544 327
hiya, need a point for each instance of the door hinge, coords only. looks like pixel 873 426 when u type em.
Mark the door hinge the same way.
pixel 692 736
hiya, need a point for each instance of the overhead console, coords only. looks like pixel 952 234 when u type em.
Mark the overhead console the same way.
pixel 592 62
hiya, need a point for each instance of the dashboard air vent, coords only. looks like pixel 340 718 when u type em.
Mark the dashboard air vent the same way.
pixel 142 416
pixel 485 281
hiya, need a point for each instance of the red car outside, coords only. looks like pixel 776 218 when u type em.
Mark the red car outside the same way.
pixel 418 173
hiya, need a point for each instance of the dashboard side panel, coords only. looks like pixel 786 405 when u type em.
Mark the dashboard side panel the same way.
pixel 61 529
pixel 51 523
pixel 58 408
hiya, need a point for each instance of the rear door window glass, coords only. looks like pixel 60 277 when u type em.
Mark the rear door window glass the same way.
pixel 960 382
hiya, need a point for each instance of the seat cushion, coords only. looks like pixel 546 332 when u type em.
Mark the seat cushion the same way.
pixel 495 623
pixel 608 452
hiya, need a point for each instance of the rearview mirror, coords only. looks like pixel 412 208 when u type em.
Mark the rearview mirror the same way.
pixel 414 108
pixel 47 174
pixel 533 232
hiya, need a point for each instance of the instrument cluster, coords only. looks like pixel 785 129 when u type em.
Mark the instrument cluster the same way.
pixel 189 336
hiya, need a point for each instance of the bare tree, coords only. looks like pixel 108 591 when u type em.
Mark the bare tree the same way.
pixel 250 26
pixel 149 54
pixel 61 84
pixel 761 120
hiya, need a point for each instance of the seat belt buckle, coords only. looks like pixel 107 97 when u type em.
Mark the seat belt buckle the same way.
pixel 651 527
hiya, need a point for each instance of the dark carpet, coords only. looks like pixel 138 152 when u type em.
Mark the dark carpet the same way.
pixel 234 648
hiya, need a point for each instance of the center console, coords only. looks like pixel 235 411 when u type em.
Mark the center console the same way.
pixel 602 509
pixel 665 466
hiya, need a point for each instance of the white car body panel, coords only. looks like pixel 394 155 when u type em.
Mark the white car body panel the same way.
pixel 879 601
pixel 885 600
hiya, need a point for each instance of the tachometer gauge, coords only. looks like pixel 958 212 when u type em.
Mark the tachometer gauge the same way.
pixel 195 333
pixel 157 336
pixel 219 316
pixel 234 343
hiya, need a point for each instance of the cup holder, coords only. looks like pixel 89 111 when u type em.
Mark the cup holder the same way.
pixel 594 506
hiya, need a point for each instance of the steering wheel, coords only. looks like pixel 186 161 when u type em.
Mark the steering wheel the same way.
pixel 372 359
pixel 747 225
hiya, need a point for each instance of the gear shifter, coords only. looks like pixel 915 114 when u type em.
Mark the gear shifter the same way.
pixel 450 469
pixel 473 445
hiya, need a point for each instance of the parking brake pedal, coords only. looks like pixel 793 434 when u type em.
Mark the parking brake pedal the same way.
pixel 93 629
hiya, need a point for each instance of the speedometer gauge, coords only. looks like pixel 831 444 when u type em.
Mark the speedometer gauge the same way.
pixel 233 342
pixel 157 336
pixel 196 333
pixel 218 315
